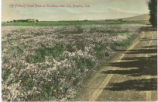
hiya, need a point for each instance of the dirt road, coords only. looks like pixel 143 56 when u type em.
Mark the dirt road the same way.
pixel 131 76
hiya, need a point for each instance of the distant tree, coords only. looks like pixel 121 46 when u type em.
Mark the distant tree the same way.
pixel 153 12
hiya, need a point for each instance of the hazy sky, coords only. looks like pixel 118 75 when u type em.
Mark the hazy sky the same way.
pixel 99 9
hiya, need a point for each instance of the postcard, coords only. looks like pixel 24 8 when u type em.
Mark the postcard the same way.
pixel 79 50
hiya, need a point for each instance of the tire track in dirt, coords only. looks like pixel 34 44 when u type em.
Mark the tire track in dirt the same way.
pixel 148 93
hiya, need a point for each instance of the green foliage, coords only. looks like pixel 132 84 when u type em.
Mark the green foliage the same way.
pixel 69 48
pixel 27 83
pixel 153 12
pixel 123 44
pixel 126 43
pixel 19 31
pixel 9 35
pixel 17 49
pixel 100 50
pixel 71 75
pixel 50 89
pixel 53 87
pixel 78 30
pixel 114 31
pixel 4 43
pixel 80 45
pixel 70 23
pixel 22 45
pixel 92 30
pixel 74 74
pixel 35 58
pixel 84 63
pixel 39 55
pixel 117 32
pixel 14 80
pixel 5 73
pixel 123 32
pixel 7 42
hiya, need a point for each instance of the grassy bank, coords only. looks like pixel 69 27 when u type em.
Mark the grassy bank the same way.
pixel 71 23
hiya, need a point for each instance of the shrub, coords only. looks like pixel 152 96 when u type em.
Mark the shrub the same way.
pixel 70 48
pixel 43 51
pixel 80 45
pixel 14 80
pixel 84 63
pixel 92 30
pixel 79 30
pixel 16 49
pixel 100 50
pixel 5 73
pixel 50 89
pixel 27 82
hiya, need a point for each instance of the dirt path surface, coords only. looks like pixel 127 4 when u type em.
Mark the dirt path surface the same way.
pixel 132 76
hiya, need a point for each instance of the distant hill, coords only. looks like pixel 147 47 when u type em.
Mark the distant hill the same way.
pixel 144 17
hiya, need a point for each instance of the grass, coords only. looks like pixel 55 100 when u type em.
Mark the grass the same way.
pixel 39 55
pixel 9 41
pixel 92 30
pixel 78 31
pixel 100 52
pixel 123 32
pixel 4 43
pixel 113 32
pixel 27 83
pixel 72 75
pixel 16 49
pixel 70 23
pixel 70 48
pixel 5 73
pixel 84 63
pixel 80 45
pixel 53 87
pixel 50 89
pixel 18 31
pixel 14 80
pixel 124 44
pixel 9 35
pixel 22 45
pixel 118 32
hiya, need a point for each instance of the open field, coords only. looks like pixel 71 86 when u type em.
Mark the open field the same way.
pixel 73 23
pixel 51 62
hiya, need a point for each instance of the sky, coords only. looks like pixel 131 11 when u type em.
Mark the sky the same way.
pixel 91 10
